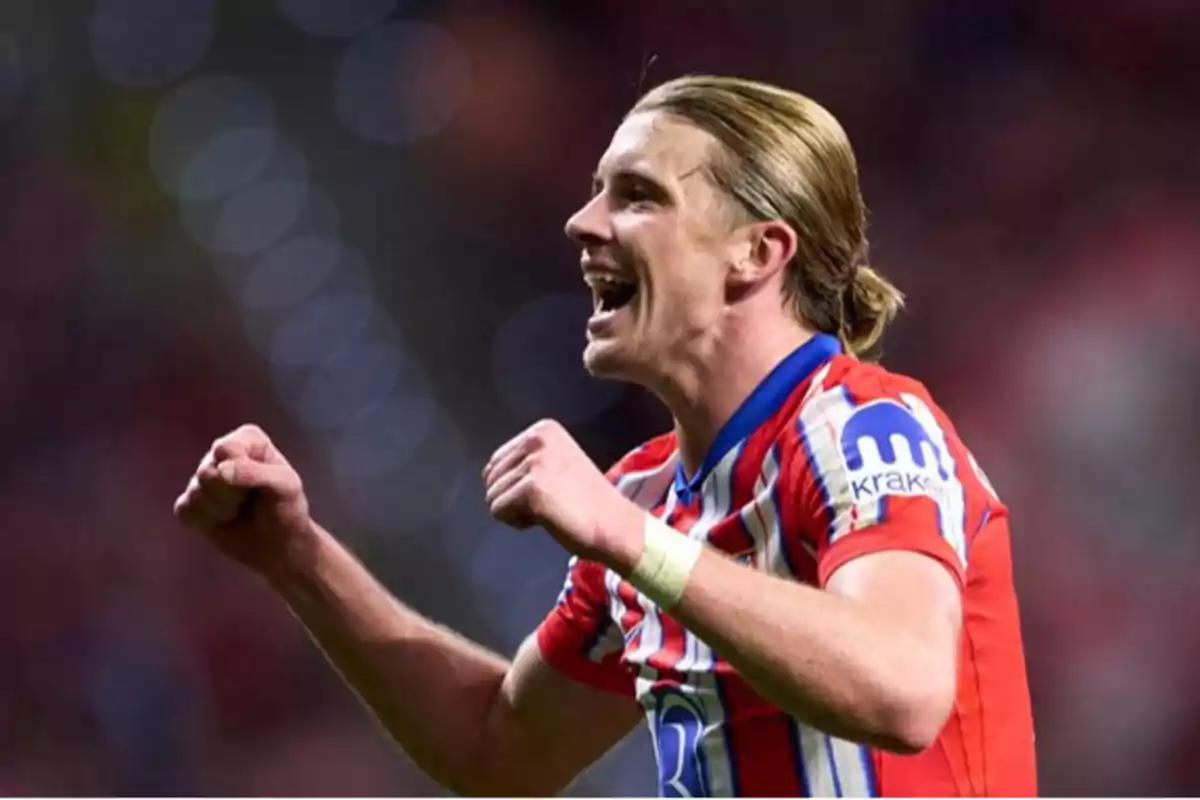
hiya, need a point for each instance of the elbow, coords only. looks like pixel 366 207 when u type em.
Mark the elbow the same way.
pixel 916 716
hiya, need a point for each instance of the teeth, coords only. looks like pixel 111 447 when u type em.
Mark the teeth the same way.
pixel 598 281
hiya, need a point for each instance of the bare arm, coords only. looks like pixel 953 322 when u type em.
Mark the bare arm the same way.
pixel 468 718
pixel 872 658
pixel 475 723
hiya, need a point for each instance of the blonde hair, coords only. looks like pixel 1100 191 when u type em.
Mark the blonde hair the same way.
pixel 784 157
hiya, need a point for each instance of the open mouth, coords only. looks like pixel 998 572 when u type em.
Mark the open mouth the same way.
pixel 610 292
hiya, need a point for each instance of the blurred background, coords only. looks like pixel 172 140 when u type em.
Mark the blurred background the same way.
pixel 341 219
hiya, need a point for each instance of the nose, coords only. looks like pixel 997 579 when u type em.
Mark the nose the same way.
pixel 590 225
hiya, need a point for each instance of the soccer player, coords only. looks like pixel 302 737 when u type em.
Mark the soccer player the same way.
pixel 805 588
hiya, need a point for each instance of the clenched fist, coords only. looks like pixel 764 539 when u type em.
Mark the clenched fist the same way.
pixel 248 500
pixel 542 477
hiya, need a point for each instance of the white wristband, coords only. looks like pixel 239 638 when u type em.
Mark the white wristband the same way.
pixel 666 564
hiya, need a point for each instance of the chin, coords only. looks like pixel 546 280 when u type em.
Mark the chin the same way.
pixel 608 361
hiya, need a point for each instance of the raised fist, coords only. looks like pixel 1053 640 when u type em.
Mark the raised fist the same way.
pixel 542 477
pixel 248 500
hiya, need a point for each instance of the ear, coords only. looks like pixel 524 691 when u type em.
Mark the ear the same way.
pixel 763 250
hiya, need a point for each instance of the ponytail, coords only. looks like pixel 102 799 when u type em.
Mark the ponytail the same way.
pixel 869 304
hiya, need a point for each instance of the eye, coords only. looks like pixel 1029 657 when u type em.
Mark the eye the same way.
pixel 635 192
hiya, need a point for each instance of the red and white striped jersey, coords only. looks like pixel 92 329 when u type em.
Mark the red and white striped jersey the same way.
pixel 829 459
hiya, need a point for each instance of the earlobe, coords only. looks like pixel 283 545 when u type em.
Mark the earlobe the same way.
pixel 745 271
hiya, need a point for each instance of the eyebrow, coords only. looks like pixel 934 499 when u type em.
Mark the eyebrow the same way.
pixel 627 173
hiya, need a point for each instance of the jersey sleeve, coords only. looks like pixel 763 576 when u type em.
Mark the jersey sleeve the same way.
pixel 876 471
pixel 579 638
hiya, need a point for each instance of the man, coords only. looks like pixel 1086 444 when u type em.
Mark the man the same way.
pixel 805 588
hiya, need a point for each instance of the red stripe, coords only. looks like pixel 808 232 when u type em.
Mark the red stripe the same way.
pixel 760 744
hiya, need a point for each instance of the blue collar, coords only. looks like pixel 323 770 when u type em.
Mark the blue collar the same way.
pixel 760 406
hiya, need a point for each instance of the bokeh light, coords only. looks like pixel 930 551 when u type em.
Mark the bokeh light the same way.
pixel 322 327
pixel 401 82
pixel 335 17
pixel 537 362
pixel 413 496
pixel 261 213
pixel 258 216
pixel 188 155
pixel 227 162
pixel 349 384
pixel 141 43
pixel 294 269
pixel 387 436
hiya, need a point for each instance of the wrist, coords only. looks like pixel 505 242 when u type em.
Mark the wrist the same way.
pixel 623 540
pixel 297 561
pixel 665 565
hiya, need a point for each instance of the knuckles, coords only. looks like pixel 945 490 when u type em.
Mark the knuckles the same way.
pixel 545 431
pixel 238 440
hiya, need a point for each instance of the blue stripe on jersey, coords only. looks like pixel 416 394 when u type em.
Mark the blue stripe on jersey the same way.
pixel 869 771
pixel 837 781
pixel 760 406
pixel 798 756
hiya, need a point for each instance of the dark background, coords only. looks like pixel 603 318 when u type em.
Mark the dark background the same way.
pixel 342 221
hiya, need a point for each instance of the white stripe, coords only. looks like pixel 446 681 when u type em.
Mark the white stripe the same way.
pixel 647 487
pixel 850 762
pixel 818 769
pixel 616 606
pixel 716 748
pixel 832 767
pixel 821 419
pixel 982 477
pixel 952 501
pixel 568 583
pixel 817 386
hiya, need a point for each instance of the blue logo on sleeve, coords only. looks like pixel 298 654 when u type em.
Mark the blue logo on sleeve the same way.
pixel 889 452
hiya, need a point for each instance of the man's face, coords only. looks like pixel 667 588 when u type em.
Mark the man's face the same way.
pixel 656 249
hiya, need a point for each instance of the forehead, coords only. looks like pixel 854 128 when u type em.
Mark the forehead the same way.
pixel 653 142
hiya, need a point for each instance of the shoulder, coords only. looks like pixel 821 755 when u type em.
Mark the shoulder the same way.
pixel 863 382
pixel 870 394
pixel 862 421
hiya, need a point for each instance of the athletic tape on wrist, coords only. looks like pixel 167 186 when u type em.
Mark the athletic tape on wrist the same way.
pixel 666 564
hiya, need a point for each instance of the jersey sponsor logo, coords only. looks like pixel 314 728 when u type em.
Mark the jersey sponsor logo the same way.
pixel 889 452
pixel 679 724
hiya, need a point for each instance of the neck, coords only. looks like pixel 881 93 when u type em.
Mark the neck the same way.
pixel 717 376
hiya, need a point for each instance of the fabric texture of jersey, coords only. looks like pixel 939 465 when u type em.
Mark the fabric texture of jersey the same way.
pixel 828 460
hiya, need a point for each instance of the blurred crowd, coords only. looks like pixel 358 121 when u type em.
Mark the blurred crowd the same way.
pixel 1033 178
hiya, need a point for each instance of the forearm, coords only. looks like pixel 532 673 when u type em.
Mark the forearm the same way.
pixel 432 690
pixel 826 659
pixel 835 662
